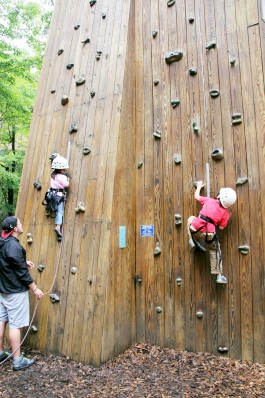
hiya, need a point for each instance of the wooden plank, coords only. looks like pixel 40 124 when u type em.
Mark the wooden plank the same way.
pixel 257 205
pixel 228 244
pixel 75 315
pixel 140 150
pixel 120 301
pixel 147 243
pixel 168 24
pixel 252 11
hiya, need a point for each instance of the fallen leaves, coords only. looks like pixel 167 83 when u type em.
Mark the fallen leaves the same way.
pixel 142 371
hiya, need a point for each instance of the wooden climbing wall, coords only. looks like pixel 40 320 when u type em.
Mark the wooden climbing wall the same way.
pixel 153 129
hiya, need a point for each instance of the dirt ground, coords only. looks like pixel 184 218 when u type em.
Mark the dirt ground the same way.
pixel 142 371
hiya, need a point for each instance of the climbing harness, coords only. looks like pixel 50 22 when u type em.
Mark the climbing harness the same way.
pixel 51 201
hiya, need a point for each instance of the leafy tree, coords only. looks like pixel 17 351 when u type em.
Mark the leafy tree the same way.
pixel 23 32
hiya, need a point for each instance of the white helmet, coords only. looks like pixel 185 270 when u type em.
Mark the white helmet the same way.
pixel 227 197
pixel 60 163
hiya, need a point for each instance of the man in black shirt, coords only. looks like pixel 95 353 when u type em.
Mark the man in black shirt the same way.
pixel 15 281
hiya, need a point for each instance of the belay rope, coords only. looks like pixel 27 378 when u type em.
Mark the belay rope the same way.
pixel 37 304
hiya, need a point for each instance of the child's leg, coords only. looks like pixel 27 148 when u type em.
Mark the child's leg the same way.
pixel 59 214
pixel 191 243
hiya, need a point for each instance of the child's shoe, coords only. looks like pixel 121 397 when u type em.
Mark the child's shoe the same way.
pixel 221 279
pixel 58 232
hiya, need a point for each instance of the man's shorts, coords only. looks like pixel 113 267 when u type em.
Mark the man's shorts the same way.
pixel 14 308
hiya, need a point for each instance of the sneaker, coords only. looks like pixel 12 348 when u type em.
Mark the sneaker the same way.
pixel 22 363
pixel 221 279
pixel 4 355
pixel 58 232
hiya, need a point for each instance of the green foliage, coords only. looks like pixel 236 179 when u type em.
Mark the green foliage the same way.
pixel 23 31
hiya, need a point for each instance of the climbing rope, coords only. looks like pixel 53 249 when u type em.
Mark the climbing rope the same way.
pixel 38 301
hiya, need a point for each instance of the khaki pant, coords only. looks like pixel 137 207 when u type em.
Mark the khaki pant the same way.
pixel 213 247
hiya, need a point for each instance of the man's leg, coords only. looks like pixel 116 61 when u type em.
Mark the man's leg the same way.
pixel 2 334
pixel 15 339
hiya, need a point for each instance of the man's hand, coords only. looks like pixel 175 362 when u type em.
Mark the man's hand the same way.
pixel 39 294
pixel 30 264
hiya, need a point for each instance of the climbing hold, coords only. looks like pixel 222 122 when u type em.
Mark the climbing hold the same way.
pixel 195 184
pixel 156 82
pixel 73 129
pixel 177 158
pixel 92 2
pixel 33 329
pixel 199 314
pixel 86 150
pixel 73 270
pixel 64 100
pixel 236 119
pixel 76 27
pixel 37 185
pixel 69 66
pixel 98 55
pixel 155 33
pixel 158 310
pixel 173 56
pixel 85 41
pixel 103 15
pixel 157 134
pixel 53 156
pixel 138 279
pixel 241 180
pixel 178 219
pixel 223 349
pixel 92 93
pixel 170 3
pixel 217 153
pixel 214 93
pixel 139 165
pixel 41 267
pixel 195 126
pixel 80 207
pixel 191 19
pixel 193 71
pixel 53 91
pixel 179 281
pixel 60 51
pixel 211 44
pixel 175 102
pixel 54 298
pixel 244 249
pixel 80 81
pixel 29 238
pixel 232 61
pixel 157 251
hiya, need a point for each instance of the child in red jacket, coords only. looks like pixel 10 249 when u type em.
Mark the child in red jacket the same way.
pixel 202 229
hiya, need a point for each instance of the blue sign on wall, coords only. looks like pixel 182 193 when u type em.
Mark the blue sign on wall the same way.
pixel 147 230
pixel 122 237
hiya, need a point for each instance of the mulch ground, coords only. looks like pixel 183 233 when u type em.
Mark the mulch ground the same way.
pixel 143 371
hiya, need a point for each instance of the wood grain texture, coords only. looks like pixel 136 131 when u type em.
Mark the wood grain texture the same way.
pixel 120 296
